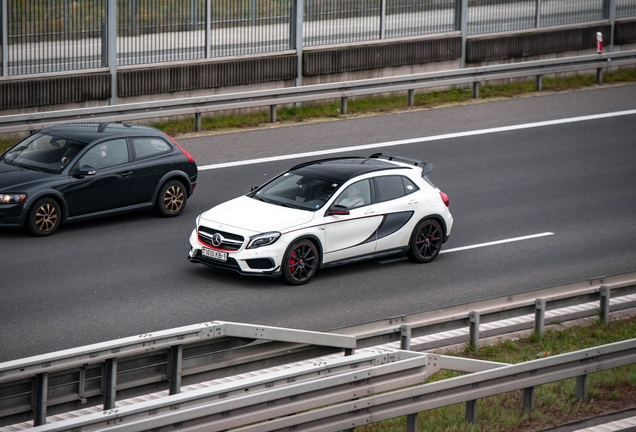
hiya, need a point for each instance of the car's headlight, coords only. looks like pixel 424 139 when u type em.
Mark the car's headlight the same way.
pixel 264 239
pixel 12 198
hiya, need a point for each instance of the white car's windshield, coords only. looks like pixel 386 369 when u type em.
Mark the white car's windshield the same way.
pixel 297 190
pixel 43 152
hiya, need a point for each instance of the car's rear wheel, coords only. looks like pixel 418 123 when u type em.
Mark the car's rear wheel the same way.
pixel 300 262
pixel 44 217
pixel 171 199
pixel 426 241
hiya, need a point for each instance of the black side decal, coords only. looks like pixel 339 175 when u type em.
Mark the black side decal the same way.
pixel 393 222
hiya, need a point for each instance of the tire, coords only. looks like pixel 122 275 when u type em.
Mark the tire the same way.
pixel 426 241
pixel 300 262
pixel 171 199
pixel 44 217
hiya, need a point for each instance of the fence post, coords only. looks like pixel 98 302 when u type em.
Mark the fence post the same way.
pixel 175 361
pixel 5 34
pixel 112 49
pixel 471 411
pixel 581 387
pixel 605 304
pixel 539 317
pixel 412 423
pixel 528 398
pixel 537 21
pixel 40 389
pixel 208 28
pixel 109 378
pixel 272 113
pixel 383 20
pixel 405 337
pixel 461 24
pixel 297 38
pixel 474 331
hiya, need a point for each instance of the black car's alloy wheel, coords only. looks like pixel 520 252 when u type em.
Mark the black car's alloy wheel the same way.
pixel 300 262
pixel 426 241
pixel 44 217
pixel 171 199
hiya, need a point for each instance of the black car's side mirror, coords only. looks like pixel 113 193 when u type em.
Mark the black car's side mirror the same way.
pixel 83 171
pixel 338 210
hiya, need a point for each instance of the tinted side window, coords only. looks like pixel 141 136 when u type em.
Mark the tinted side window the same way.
pixel 146 147
pixel 409 186
pixel 389 187
pixel 106 154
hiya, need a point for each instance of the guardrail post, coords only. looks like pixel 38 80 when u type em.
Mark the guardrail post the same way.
pixel 475 90
pixel 109 378
pixel 581 387
pixel 539 82
pixel 411 97
pixel 197 122
pixel 605 304
pixel 471 411
pixel 539 317
pixel 528 398
pixel 405 337
pixel 474 331
pixel 272 113
pixel 599 76
pixel 343 105
pixel 40 389
pixel 175 360
pixel 412 423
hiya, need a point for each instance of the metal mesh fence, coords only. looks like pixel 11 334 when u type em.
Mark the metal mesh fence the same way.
pixel 40 36
pixel 625 8
pixel 53 35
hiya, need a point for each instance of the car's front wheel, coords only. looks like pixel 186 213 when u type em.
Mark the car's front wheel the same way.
pixel 44 217
pixel 300 262
pixel 426 241
pixel 171 199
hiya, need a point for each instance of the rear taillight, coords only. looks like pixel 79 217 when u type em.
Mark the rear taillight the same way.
pixel 188 155
pixel 444 198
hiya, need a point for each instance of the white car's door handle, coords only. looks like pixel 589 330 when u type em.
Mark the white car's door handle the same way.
pixel 414 201
pixel 370 211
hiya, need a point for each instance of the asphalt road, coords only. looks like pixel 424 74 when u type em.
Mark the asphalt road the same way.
pixel 101 280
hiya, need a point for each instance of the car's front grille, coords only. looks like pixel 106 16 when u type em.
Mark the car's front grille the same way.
pixel 220 239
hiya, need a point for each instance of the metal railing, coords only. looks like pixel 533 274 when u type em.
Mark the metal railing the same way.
pixel 337 399
pixel 35 387
pixel 41 36
pixel 343 90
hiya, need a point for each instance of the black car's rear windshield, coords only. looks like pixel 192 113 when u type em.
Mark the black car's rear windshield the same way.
pixel 43 152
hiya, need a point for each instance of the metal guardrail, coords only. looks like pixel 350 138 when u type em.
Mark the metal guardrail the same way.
pixel 331 397
pixel 290 95
pixel 32 388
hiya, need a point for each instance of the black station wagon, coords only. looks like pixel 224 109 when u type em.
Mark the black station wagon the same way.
pixel 78 171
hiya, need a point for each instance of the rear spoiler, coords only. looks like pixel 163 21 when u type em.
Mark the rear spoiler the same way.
pixel 426 167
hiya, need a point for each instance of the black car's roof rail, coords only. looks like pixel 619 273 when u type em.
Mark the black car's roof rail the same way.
pixel 426 167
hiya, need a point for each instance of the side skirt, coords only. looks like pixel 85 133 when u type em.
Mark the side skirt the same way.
pixel 373 255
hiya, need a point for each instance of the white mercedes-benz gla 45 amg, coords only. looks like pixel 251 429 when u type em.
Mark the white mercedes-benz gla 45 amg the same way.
pixel 325 213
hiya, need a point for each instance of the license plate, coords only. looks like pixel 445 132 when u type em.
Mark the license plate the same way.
pixel 214 254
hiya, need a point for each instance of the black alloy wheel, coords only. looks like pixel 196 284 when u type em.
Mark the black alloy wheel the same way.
pixel 426 241
pixel 171 199
pixel 44 218
pixel 300 262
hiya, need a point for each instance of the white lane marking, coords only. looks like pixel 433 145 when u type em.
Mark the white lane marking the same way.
pixel 480 245
pixel 498 242
pixel 418 140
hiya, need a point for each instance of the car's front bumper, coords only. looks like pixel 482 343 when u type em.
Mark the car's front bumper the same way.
pixel 263 261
